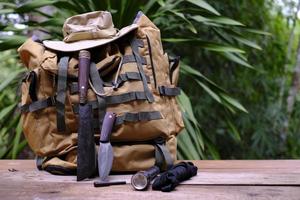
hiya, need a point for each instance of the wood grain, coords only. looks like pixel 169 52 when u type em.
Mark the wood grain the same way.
pixel 271 179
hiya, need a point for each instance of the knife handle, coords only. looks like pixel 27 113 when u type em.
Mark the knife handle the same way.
pixel 108 123
pixel 83 76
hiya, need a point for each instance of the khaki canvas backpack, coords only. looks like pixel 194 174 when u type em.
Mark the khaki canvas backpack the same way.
pixel 148 116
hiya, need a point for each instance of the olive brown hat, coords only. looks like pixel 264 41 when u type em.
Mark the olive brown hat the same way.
pixel 88 30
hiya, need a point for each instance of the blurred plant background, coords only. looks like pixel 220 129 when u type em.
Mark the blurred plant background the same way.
pixel 239 69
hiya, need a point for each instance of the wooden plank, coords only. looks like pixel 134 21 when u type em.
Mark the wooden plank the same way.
pixel 203 165
pixel 26 172
pixel 37 191
pixel 19 179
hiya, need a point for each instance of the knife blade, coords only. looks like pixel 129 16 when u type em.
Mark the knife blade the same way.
pixel 86 157
pixel 105 153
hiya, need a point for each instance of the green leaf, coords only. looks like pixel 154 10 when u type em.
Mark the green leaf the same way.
pixel 233 102
pixel 204 5
pixel 209 91
pixel 221 48
pixel 186 106
pixel 31 5
pixel 204 44
pixel 247 42
pixel 234 58
pixel 177 40
pixel 190 25
pixel 226 21
pixel 193 132
pixel 6 11
pixel 234 132
pixel 217 20
pixel 10 79
pixel 6 111
pixel 260 32
pixel 53 22
pixel 185 146
pixel 189 71
pixel 11 42
pixel 16 140
pixel 212 150
pixel 148 6
pixel 7 4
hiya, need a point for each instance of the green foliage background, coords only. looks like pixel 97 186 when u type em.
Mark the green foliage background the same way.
pixel 233 55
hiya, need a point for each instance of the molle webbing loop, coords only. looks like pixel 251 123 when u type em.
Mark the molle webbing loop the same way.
pixel 32 87
pixel 168 91
pixel 98 85
pixel 131 59
pixel 127 76
pixel 174 62
pixel 117 99
pixel 135 117
pixel 40 104
pixel 61 93
pixel 162 154
pixel 131 76
pixel 135 49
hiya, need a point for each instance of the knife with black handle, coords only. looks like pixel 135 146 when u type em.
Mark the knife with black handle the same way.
pixel 86 157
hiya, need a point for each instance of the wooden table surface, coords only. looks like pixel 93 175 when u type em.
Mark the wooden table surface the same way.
pixel 230 179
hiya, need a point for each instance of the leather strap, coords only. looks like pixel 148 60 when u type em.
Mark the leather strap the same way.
pixel 98 85
pixel 135 49
pixel 61 93
pixel 167 91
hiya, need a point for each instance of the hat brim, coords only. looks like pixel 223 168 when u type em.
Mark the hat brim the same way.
pixel 86 44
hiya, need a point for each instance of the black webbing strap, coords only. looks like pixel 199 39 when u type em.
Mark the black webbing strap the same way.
pixel 98 85
pixel 139 42
pixel 132 117
pixel 140 116
pixel 127 76
pixel 162 154
pixel 131 59
pixel 117 99
pixel 167 91
pixel 126 97
pixel 32 86
pixel 37 105
pixel 39 162
pixel 61 93
pixel 135 49
pixel 174 62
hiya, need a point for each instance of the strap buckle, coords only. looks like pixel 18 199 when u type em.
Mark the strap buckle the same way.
pixel 162 90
